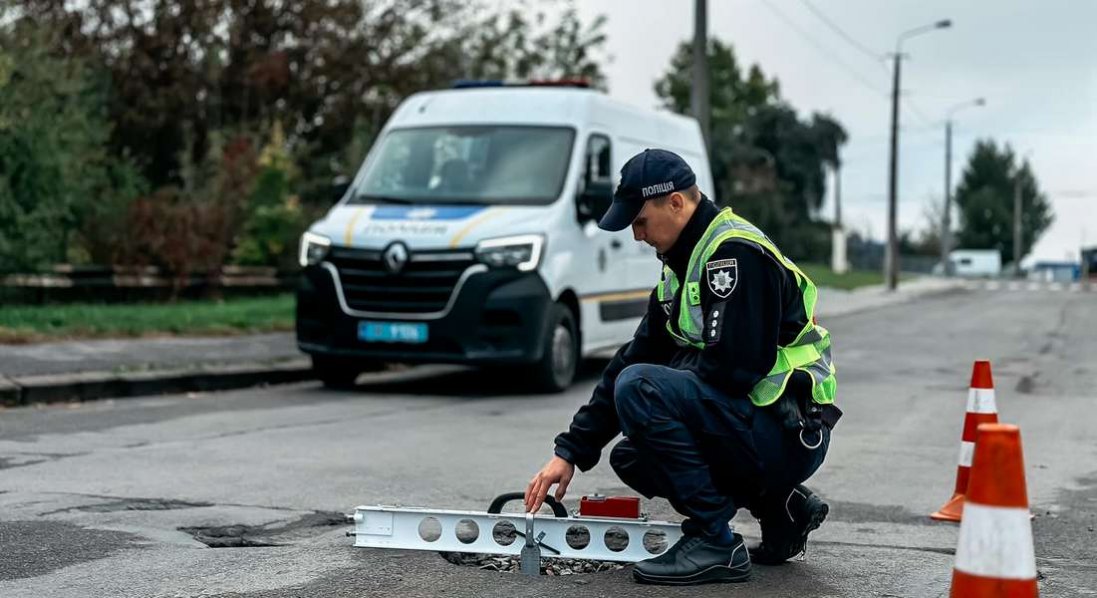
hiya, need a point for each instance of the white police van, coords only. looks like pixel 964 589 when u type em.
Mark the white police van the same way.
pixel 469 235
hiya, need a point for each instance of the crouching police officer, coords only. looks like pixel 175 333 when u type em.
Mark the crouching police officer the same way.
pixel 725 393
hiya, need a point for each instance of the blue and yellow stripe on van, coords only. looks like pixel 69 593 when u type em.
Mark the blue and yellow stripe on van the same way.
pixel 482 218
pixel 423 213
pixel 348 234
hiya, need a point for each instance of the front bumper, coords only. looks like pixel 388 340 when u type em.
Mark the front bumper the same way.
pixel 497 317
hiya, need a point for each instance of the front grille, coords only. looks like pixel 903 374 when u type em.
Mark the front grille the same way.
pixel 423 286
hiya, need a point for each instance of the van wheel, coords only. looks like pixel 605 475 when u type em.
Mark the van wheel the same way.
pixel 560 358
pixel 334 372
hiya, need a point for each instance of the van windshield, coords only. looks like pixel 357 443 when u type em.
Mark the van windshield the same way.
pixel 468 164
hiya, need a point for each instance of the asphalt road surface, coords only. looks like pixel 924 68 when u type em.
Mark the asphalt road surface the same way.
pixel 125 498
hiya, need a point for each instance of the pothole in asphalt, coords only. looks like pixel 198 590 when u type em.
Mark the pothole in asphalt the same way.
pixel 227 536
pixel 855 512
pixel 578 537
pixel 1027 384
pixel 252 536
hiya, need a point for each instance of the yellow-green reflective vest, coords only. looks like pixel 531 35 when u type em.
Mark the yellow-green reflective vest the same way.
pixel 808 352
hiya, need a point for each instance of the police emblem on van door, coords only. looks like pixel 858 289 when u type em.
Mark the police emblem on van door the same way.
pixel 723 276
pixel 395 257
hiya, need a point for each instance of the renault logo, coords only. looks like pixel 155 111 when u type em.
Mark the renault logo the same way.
pixel 395 257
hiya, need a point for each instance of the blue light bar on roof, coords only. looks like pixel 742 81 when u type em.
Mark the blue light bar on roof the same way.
pixel 471 83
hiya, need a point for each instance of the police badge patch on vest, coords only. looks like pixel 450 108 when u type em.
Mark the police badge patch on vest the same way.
pixel 723 276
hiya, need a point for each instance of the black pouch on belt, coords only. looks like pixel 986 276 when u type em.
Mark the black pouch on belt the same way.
pixel 797 411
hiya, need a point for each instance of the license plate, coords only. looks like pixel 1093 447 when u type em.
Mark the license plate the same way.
pixel 392 332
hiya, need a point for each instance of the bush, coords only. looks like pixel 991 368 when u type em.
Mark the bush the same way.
pixel 275 218
pixel 185 231
pixel 270 235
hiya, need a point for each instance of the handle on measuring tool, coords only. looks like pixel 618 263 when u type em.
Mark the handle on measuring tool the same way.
pixel 497 504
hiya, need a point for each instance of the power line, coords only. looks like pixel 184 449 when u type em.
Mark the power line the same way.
pixel 1073 193
pixel 852 71
pixel 876 57
pixel 918 113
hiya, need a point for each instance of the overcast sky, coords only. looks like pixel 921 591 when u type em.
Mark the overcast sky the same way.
pixel 1035 62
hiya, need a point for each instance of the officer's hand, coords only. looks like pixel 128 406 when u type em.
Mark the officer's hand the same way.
pixel 556 471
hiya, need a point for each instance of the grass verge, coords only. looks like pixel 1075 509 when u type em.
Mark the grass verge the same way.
pixel 823 276
pixel 31 323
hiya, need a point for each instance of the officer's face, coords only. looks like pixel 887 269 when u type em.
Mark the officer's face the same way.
pixel 661 221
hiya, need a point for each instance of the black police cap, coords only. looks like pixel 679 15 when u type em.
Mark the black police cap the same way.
pixel 651 173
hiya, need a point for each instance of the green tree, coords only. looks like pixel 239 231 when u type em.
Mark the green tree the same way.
pixel 733 98
pixel 766 161
pixel 985 198
pixel 55 173
pixel 522 44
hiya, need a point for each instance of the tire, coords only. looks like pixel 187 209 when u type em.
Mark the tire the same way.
pixel 560 358
pixel 335 373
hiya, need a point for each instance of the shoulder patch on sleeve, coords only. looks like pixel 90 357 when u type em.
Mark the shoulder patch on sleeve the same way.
pixel 722 276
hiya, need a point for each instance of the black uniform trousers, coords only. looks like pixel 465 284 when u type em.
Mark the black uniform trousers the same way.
pixel 707 453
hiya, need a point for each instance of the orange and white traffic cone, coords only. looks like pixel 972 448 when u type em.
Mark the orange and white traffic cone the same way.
pixel 995 556
pixel 981 409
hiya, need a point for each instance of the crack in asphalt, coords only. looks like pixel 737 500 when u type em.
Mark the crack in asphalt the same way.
pixel 219 504
pixel 8 462
pixel 931 549
pixel 133 504
pixel 289 426
pixel 5 462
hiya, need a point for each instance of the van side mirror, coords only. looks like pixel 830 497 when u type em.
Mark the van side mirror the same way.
pixel 594 200
pixel 339 186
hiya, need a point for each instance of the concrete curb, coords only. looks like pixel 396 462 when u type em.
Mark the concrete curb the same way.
pixel 88 386
pixel 877 296
pixel 10 392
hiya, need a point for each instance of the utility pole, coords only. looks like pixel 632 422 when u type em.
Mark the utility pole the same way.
pixel 1017 225
pixel 699 96
pixel 838 194
pixel 838 261
pixel 946 217
pixel 891 254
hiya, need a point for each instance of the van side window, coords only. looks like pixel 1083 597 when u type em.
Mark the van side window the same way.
pixel 599 166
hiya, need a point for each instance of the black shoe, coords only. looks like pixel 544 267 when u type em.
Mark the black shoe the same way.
pixel 694 560
pixel 786 525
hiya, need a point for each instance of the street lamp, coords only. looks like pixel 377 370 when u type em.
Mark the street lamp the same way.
pixel 1017 214
pixel 946 216
pixel 891 256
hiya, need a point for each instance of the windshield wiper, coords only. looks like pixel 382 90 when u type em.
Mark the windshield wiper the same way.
pixel 362 197
pixel 382 199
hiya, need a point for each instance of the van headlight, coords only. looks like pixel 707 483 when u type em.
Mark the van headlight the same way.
pixel 313 249
pixel 522 252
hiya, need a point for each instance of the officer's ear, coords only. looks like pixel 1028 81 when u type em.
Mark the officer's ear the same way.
pixel 677 202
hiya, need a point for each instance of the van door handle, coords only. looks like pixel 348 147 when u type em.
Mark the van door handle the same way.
pixel 616 244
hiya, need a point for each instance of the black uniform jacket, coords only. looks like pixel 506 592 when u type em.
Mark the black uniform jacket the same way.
pixel 763 309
